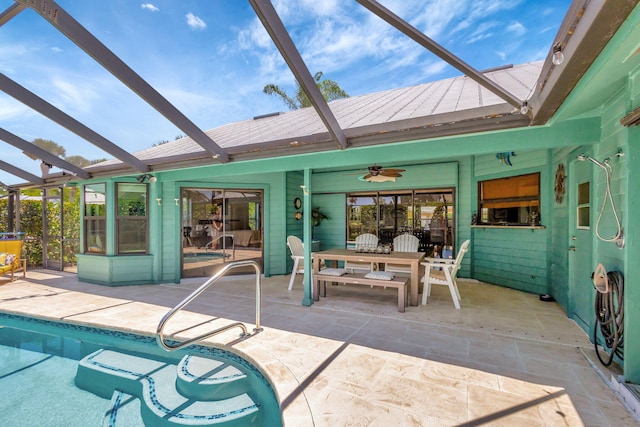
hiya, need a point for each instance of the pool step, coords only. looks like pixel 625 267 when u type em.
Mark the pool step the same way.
pixel 155 383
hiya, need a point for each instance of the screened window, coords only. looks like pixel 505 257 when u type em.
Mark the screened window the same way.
pixel 131 218
pixel 94 218
pixel 510 201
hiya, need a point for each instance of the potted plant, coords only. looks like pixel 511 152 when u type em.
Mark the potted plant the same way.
pixel 316 219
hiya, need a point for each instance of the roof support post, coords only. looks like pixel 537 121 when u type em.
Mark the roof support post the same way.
pixel 440 51
pixel 71 28
pixel 41 154
pixel 23 95
pixel 276 29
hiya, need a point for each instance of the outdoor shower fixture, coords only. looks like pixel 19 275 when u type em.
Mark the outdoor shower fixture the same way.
pixel 608 170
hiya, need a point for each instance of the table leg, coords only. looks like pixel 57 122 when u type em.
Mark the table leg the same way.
pixel 315 284
pixel 415 273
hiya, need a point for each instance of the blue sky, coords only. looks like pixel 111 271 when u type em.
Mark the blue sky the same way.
pixel 211 59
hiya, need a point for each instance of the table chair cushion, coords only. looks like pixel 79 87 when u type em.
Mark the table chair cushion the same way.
pixel 380 275
pixel 3 258
pixel 333 271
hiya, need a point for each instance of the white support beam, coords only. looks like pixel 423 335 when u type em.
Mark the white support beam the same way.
pixel 440 51
pixel 32 100
pixel 276 29
pixel 71 28
pixel 21 173
pixel 41 154
pixel 10 12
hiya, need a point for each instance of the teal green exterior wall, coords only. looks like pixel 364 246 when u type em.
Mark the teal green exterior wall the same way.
pixel 514 257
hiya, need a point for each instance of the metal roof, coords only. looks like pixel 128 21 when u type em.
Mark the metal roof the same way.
pixel 479 102
pixel 358 116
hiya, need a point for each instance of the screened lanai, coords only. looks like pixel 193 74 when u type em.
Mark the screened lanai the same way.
pixel 450 137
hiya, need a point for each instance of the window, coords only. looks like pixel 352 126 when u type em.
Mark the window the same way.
pixel 94 218
pixel 510 201
pixel 584 211
pixel 427 214
pixel 131 218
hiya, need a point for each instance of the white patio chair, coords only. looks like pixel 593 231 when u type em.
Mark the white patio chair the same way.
pixel 363 242
pixel 442 271
pixel 296 246
pixel 403 243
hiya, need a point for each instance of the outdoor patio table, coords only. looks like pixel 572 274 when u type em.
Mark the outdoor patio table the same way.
pixel 412 259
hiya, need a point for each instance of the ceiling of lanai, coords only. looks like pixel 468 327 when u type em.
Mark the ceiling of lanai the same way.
pixel 507 97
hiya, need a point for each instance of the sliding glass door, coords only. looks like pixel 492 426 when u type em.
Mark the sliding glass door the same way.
pixel 428 214
pixel 220 226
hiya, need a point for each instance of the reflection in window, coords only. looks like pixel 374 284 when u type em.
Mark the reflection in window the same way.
pixel 427 214
pixel 94 218
pixel 510 201
pixel 131 218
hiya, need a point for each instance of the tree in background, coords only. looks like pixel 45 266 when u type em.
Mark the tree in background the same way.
pixel 59 151
pixel 329 89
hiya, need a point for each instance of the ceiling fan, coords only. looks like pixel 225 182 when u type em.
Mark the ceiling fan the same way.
pixel 379 174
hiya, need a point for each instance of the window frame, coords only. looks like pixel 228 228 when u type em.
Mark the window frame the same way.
pixel 498 211
pixel 120 218
pixel 91 245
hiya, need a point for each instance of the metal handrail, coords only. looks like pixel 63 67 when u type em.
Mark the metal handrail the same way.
pixel 160 330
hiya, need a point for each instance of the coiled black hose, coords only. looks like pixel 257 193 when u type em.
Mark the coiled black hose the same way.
pixel 609 308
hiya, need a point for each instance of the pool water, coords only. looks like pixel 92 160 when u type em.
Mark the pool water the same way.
pixel 39 360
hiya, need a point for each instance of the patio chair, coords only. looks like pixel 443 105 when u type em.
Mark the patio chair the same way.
pixel 297 255
pixel 443 271
pixel 403 243
pixel 363 242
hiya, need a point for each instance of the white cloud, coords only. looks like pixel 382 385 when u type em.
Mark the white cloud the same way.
pixel 56 49
pixel 73 96
pixel 195 22
pixel 517 28
pixel 149 7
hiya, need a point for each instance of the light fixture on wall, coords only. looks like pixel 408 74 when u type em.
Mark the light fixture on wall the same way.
pixel 146 177
pixel 177 201
pixel 524 108
pixel 159 200
pixel 304 190
pixel 558 57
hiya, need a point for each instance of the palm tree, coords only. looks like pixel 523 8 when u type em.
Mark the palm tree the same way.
pixel 329 89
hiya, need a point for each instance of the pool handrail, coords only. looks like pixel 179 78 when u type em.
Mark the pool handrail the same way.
pixel 160 339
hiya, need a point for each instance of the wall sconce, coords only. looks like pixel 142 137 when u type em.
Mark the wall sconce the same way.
pixel 558 56
pixel 145 176
pixel 304 190
pixel 524 108
pixel 159 201
pixel 177 201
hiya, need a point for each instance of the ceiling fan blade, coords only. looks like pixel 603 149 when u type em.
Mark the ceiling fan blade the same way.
pixel 397 175
pixel 393 170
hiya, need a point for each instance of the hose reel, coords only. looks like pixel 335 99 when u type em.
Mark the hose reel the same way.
pixel 609 310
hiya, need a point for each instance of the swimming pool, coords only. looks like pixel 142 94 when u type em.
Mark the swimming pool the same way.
pixel 40 367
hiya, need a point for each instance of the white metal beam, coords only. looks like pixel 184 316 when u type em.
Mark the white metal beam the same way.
pixel 440 51
pixel 276 29
pixel 71 28
pixel 41 154
pixel 21 173
pixel 32 100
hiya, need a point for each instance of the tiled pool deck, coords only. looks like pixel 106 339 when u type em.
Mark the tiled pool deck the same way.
pixel 351 359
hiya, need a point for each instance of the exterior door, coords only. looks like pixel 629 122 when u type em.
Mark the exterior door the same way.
pixel 220 226
pixel 581 292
